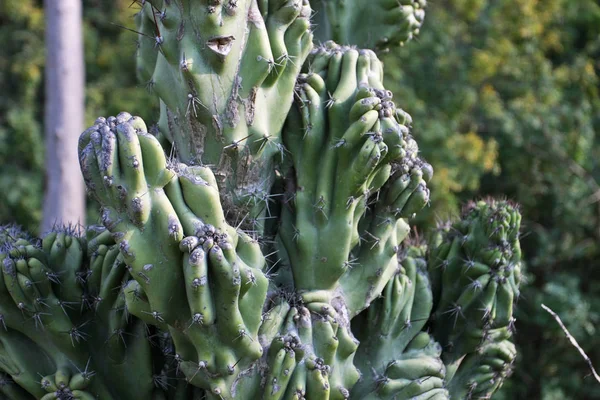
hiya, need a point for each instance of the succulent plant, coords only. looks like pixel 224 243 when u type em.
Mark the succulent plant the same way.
pixel 268 257
pixel 378 25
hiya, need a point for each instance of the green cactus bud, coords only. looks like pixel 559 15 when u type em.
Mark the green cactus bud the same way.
pixel 65 385
pixel 66 250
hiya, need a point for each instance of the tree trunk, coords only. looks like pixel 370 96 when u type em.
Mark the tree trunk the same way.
pixel 64 201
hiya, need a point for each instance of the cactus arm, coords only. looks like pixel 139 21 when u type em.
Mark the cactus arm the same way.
pixel 215 331
pixel 343 134
pixel 126 170
pixel 385 228
pixel 478 271
pixel 396 358
pixel 347 140
pixel 377 25
pixel 135 208
pixel 482 373
pixel 225 295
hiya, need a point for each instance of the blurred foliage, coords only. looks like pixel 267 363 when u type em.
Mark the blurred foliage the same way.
pixel 21 102
pixel 110 50
pixel 111 88
pixel 505 99
pixel 504 95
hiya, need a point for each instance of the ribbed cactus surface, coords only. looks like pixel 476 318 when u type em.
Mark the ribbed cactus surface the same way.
pixel 268 255
pixel 218 66
pixel 375 24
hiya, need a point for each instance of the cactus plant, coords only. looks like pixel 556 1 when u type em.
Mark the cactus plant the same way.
pixel 269 257
pixel 352 22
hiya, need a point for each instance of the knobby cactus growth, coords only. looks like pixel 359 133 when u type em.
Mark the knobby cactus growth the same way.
pixel 268 255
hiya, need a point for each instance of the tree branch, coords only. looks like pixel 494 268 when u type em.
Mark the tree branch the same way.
pixel 573 341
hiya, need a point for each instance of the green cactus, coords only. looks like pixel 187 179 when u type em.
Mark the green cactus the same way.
pixel 377 24
pixel 476 273
pixel 268 258
pixel 398 358
pixel 215 65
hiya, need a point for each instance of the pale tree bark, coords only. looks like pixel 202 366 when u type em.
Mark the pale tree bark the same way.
pixel 64 200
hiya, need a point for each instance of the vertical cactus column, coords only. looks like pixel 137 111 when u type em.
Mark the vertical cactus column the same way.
pixel 345 137
pixel 476 274
pixel 213 324
pixel 218 67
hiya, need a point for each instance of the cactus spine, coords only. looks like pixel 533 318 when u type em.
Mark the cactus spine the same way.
pixel 268 258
